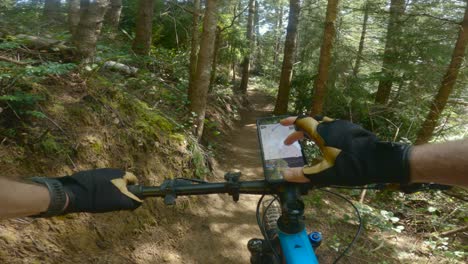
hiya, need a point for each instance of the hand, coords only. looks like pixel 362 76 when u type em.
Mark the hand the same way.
pixel 351 155
pixel 100 190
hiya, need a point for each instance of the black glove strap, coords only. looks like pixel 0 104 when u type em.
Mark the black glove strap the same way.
pixel 58 197
pixel 392 162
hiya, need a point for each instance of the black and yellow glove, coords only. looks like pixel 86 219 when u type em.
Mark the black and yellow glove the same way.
pixel 351 155
pixel 94 191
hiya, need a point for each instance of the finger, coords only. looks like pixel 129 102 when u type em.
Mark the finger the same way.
pixel 293 137
pixel 327 119
pixel 309 126
pixel 130 178
pixel 294 175
pixel 121 184
pixel 288 121
pixel 317 168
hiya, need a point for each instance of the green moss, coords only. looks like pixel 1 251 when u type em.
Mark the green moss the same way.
pixel 57 109
pixel 76 111
pixel 50 145
pixel 178 137
pixel 145 119
pixel 97 147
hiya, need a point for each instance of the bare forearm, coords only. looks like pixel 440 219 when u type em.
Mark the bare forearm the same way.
pixel 19 199
pixel 444 163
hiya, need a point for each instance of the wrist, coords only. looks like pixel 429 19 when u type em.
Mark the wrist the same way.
pixel 392 164
pixel 58 199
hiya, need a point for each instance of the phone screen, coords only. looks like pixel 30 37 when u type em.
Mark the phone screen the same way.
pixel 277 155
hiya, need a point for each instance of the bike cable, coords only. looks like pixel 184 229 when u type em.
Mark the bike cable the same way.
pixel 358 232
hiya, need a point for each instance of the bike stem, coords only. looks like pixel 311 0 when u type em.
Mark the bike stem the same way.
pixel 291 220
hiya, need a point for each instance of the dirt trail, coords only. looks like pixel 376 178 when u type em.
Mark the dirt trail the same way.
pixel 218 231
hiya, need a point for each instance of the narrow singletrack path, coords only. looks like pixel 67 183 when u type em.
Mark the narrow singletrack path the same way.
pixel 215 229
pixel 241 152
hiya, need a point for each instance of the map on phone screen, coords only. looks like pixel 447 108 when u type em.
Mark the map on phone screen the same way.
pixel 277 155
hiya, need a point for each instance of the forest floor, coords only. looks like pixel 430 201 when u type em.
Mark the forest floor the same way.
pixel 208 229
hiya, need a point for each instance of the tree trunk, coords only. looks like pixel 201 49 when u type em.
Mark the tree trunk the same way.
pixel 320 83
pixel 257 50
pixel 256 23
pixel 282 99
pixel 73 15
pixel 246 61
pixel 201 84
pixel 214 64
pixel 144 22
pixel 194 45
pixel 233 66
pixel 361 41
pixel 447 84
pixel 278 34
pixel 51 9
pixel 233 56
pixel 113 14
pixel 390 57
pixel 86 35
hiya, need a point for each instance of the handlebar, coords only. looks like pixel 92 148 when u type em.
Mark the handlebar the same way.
pixel 172 188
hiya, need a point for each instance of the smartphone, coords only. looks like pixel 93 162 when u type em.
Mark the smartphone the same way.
pixel 275 154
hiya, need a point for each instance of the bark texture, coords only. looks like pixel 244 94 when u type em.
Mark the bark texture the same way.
pixel 198 97
pixel 195 43
pixel 214 64
pixel 73 15
pixel 282 99
pixel 51 9
pixel 257 50
pixel 390 57
pixel 320 83
pixel 143 32
pixel 447 84
pixel 278 33
pixel 246 62
pixel 89 28
pixel 113 14
pixel 362 40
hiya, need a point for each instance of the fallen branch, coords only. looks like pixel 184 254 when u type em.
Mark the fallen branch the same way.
pixel 41 43
pixel 454 231
pixel 456 196
pixel 120 67
pixel 12 60
pixel 38 42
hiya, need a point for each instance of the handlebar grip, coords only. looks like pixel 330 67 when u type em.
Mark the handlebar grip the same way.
pixel 137 190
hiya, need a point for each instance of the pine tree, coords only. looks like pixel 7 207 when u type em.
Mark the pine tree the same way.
pixel 282 99
pixel 320 84
pixel 198 97
pixel 447 84
pixel 143 32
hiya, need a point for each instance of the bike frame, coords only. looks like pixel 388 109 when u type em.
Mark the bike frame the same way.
pixel 295 244
pixel 296 248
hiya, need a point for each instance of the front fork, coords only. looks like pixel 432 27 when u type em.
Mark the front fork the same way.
pixel 289 238
pixel 261 253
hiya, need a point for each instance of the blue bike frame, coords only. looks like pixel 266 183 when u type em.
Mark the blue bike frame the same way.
pixel 296 248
